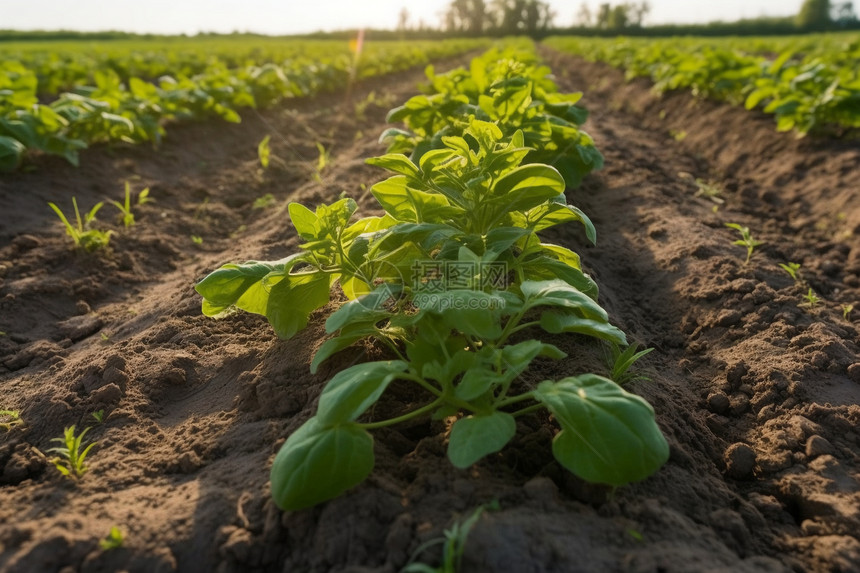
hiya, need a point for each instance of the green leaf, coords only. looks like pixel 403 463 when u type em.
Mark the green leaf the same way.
pixel 527 187
pixel 474 437
pixel 241 285
pixel 352 391
pixel 319 462
pixel 334 345
pixel 607 434
pixel 396 162
pixel 365 309
pixel 11 153
pixel 560 294
pixel 292 300
pixel 474 313
pixel 556 322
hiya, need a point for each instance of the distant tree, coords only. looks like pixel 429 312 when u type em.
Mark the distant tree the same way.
pixel 466 16
pixel 621 16
pixel 843 13
pixel 521 16
pixel 583 16
pixel 814 15
pixel 403 20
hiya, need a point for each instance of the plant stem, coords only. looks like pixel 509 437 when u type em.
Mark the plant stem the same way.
pixel 413 414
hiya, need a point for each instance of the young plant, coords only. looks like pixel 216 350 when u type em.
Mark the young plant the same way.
pixel 125 207
pixel 465 217
pixel 746 240
pixel 83 236
pixel 72 454
pixel 322 161
pixel 113 540
pixel 264 152
pixel 620 362
pixel 264 202
pixel 793 271
pixel 846 310
pixel 10 419
pixel 709 190
pixel 811 299
pixel 98 416
pixel 453 545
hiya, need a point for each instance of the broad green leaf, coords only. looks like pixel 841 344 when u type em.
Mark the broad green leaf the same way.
pixel 396 162
pixel 365 309
pixel 541 180
pixel 474 313
pixel 11 153
pixel 557 322
pixel 334 345
pixel 293 299
pixel 318 463
pixel 352 391
pixel 476 436
pixel 241 285
pixel 560 294
pixel 607 434
pixel 305 221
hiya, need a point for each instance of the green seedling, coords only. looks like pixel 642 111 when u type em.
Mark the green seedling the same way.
pixel 846 310
pixel 125 207
pixel 104 336
pixel 620 362
pixel 453 545
pixel 197 239
pixel 10 419
pixel 468 206
pixel 793 270
pixel 746 240
pixel 83 236
pixel 322 161
pixel 264 152
pixel 98 416
pixel 709 190
pixel 264 202
pixel 113 540
pixel 72 454
pixel 811 299
pixel 678 135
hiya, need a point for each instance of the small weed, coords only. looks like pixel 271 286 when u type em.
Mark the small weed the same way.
pixel 9 419
pixel 619 362
pixel 125 208
pixel 196 239
pixel 70 459
pixel 453 545
pixel 710 190
pixel 265 201
pixel 114 539
pixel 811 299
pixel 322 162
pixel 83 236
pixel 264 152
pixel 792 270
pixel 746 240
pixel 846 310
pixel 104 336
pixel 98 416
pixel 678 135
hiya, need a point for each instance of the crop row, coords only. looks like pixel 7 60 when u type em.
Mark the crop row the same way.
pixel 128 96
pixel 807 86
pixel 454 283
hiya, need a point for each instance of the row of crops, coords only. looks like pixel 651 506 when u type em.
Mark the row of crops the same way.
pixel 454 282
pixel 60 101
pixel 808 83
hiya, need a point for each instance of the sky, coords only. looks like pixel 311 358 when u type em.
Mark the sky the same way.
pixel 292 16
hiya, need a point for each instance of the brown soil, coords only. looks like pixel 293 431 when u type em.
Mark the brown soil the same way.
pixel 757 394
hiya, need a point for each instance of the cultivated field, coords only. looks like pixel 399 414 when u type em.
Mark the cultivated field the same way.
pixel 732 445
